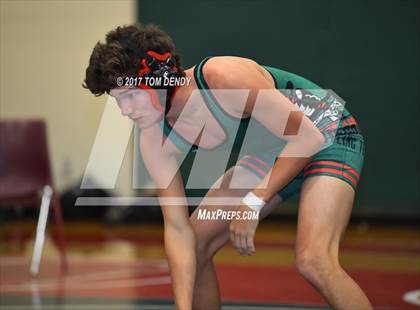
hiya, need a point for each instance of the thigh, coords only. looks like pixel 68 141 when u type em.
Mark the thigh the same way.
pixel 213 234
pixel 328 190
pixel 343 159
pixel 324 210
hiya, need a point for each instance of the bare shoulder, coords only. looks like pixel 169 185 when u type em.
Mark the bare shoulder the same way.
pixel 230 61
pixel 230 71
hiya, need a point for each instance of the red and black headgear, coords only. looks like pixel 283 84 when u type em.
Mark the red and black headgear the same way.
pixel 155 65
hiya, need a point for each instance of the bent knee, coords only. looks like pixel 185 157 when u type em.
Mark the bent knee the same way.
pixel 315 265
pixel 205 247
pixel 202 247
pixel 204 255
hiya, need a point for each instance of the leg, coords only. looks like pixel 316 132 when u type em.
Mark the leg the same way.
pixel 61 242
pixel 324 211
pixel 40 229
pixel 214 234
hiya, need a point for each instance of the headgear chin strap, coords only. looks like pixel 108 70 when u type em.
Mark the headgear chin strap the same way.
pixel 155 66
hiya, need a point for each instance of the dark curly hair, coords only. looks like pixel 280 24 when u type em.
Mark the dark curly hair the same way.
pixel 116 56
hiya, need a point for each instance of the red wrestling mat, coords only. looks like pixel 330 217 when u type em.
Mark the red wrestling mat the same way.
pixel 149 280
pixel 126 264
pixel 284 285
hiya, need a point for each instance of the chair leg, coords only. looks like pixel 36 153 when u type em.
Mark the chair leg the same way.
pixel 40 229
pixel 61 242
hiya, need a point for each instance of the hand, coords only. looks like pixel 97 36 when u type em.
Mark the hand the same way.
pixel 242 233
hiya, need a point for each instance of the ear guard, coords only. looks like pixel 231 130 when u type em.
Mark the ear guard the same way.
pixel 158 65
pixel 155 65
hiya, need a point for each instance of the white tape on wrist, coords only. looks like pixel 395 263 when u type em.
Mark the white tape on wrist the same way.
pixel 253 202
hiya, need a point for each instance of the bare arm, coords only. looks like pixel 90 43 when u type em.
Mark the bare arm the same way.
pixel 273 112
pixel 178 233
pixel 279 116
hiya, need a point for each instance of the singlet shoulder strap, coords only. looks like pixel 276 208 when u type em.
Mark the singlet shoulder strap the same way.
pixel 182 144
pixel 224 119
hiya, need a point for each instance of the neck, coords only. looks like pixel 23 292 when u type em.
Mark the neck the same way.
pixel 180 98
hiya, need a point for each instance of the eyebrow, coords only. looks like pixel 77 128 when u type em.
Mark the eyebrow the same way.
pixel 124 92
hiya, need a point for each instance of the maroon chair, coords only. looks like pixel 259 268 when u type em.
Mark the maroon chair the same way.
pixel 25 179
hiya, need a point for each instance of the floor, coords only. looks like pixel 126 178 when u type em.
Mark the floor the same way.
pixel 123 267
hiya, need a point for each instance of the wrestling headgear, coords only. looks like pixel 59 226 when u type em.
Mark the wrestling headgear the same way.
pixel 155 66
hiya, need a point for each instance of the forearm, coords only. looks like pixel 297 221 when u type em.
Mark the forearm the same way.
pixel 178 234
pixel 180 250
pixel 284 169
pixel 179 242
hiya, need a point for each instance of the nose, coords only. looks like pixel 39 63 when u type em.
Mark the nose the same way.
pixel 126 109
